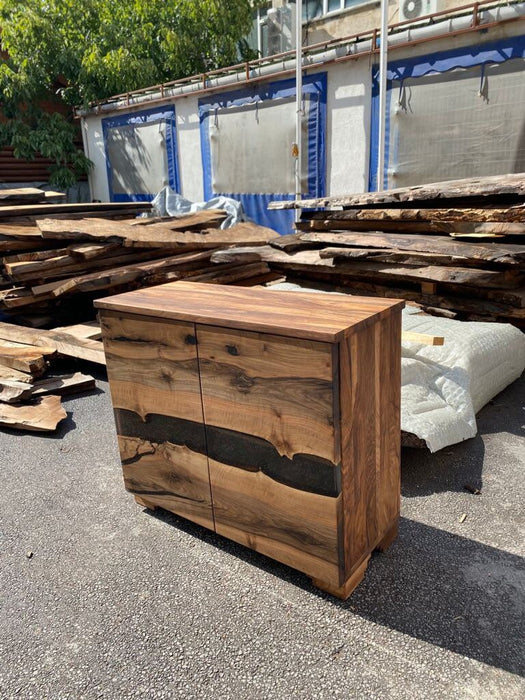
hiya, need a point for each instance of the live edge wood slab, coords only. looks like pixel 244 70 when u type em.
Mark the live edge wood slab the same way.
pixel 270 417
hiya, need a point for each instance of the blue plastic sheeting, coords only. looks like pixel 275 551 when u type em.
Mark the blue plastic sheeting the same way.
pixel 420 66
pixel 256 208
pixel 167 114
pixel 255 204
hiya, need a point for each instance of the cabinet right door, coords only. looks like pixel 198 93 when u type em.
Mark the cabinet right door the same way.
pixel 271 417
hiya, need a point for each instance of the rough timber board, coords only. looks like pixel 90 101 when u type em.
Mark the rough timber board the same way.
pixel 153 236
pixel 469 215
pixel 82 348
pixel 513 184
pixel 317 317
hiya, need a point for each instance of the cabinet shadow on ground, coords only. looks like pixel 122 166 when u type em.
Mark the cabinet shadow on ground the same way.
pixel 432 585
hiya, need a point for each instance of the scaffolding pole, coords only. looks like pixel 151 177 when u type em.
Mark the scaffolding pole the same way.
pixel 383 63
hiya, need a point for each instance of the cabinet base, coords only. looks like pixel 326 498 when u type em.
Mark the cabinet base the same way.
pixel 388 538
pixel 348 587
pixel 145 503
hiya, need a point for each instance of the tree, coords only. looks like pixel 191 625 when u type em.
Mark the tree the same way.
pixel 84 50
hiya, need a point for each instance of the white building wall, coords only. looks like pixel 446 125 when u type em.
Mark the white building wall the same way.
pixel 347 135
pixel 349 88
pixel 95 151
pixel 189 148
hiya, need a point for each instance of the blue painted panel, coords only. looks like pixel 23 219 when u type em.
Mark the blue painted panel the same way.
pixel 255 204
pixel 167 114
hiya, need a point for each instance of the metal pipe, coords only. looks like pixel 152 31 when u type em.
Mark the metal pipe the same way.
pixel 383 62
pixel 297 149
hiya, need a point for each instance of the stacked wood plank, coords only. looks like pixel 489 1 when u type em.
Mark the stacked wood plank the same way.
pixel 57 258
pixel 456 248
pixel 55 265
pixel 30 400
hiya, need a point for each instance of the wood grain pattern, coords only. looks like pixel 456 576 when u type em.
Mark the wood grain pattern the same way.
pixel 317 317
pixel 292 526
pixel 313 261
pixel 152 366
pixel 279 390
pixel 152 236
pixel 500 228
pixel 509 214
pixel 43 415
pixel 441 245
pixel 370 436
pixel 167 475
pixel 245 452
pixel 83 348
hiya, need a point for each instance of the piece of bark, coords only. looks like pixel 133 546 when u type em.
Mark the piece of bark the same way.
pixel 42 415
pixel 64 385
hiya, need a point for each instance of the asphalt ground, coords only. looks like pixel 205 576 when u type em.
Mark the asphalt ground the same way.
pixel 101 598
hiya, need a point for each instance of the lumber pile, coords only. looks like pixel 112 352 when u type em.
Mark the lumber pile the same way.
pixel 57 258
pixel 454 248
pixel 30 397
pixel 55 263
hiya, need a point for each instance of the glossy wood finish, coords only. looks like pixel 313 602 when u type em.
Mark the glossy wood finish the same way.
pixel 325 318
pixel 288 445
pixel 280 390
pixel 155 390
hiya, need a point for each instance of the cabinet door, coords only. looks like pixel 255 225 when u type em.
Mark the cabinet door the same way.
pixel 272 445
pixel 154 382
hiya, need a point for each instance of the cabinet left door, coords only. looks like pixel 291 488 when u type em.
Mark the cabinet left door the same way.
pixel 154 383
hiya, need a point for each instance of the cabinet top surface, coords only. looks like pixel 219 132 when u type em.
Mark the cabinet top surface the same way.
pixel 325 317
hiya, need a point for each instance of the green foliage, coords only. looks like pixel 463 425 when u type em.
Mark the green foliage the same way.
pixel 85 50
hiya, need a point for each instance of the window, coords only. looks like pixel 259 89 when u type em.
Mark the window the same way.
pixel 316 8
pixel 269 22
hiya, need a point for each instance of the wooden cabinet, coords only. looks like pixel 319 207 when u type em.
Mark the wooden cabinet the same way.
pixel 270 417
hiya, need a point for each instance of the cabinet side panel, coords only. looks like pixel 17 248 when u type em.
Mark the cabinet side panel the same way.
pixel 370 435
pixel 154 383
pixel 388 390
pixel 358 444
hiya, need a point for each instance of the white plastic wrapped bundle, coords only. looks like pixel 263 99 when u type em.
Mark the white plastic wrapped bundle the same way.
pixel 443 387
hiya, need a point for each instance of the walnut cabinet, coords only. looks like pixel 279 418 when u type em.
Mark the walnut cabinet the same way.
pixel 270 417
